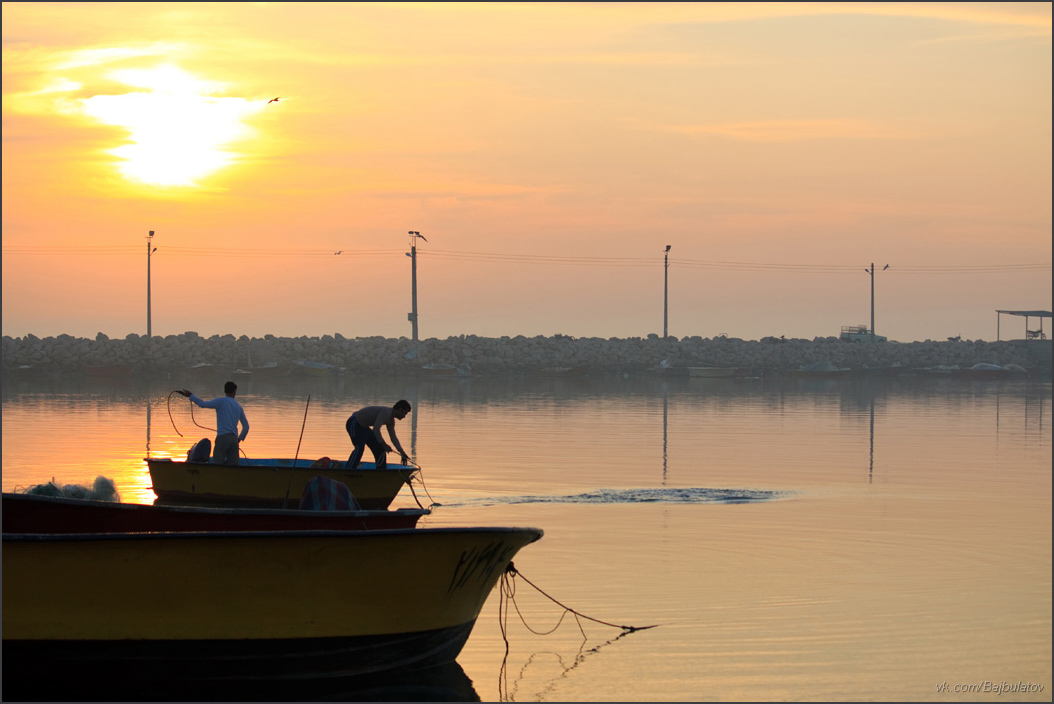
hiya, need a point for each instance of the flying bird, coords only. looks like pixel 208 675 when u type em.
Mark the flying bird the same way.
pixel 338 252
pixel 885 267
pixel 272 100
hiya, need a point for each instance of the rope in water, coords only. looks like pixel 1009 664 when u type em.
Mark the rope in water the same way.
pixel 508 592
pixel 420 477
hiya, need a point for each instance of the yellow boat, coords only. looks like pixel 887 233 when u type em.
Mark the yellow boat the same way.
pixel 271 482
pixel 242 607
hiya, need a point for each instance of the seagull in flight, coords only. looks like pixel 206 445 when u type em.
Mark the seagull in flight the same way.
pixel 272 100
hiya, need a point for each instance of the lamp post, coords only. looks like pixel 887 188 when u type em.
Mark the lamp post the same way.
pixel 871 272
pixel 150 249
pixel 413 280
pixel 666 294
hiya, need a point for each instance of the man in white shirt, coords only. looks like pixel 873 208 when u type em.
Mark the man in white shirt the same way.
pixel 228 414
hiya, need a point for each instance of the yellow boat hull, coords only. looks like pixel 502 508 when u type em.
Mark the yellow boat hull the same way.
pixel 245 606
pixel 277 483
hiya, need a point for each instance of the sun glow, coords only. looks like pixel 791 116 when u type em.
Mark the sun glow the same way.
pixel 177 129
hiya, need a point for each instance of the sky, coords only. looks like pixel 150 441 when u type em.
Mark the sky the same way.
pixel 547 154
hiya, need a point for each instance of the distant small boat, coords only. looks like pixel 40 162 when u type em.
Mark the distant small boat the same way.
pixel 819 370
pixel 269 369
pixel 895 370
pixel 264 370
pixel 990 372
pixel 204 369
pixel 108 370
pixel 445 370
pixel 664 368
pixel 439 369
pixel 946 370
pixel 712 372
pixel 580 370
pixel 27 370
pixel 312 368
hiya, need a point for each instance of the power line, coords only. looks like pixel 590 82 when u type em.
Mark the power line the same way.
pixel 196 251
pixel 509 258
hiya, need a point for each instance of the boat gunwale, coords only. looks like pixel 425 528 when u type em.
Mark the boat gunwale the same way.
pixel 218 510
pixel 258 464
pixel 213 535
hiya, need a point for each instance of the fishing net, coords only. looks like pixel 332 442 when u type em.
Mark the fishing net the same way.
pixel 103 489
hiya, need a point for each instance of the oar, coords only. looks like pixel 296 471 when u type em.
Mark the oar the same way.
pixel 285 502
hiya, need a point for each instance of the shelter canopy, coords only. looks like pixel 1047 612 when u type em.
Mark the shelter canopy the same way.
pixel 1027 313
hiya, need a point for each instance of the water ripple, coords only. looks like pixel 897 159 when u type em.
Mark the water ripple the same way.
pixel 681 495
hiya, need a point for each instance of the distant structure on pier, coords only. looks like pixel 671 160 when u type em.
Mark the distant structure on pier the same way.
pixel 1030 334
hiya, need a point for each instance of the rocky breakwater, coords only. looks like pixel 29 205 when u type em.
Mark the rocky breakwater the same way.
pixel 483 355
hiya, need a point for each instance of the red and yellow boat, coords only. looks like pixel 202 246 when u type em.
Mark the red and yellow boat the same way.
pixel 30 513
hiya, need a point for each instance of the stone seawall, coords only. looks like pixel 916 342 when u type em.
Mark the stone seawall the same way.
pixel 483 355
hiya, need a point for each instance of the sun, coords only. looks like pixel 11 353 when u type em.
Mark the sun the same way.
pixel 177 128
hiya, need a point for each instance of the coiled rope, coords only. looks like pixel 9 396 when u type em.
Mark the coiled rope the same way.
pixel 192 418
pixel 172 420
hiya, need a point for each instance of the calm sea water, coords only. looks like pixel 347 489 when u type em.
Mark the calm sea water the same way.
pixel 871 540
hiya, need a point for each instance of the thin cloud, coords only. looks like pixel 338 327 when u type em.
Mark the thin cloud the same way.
pixel 794 130
pixel 99 56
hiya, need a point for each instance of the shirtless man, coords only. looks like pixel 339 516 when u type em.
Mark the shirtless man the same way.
pixel 364 428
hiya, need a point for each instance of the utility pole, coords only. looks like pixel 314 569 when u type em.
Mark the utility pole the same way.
pixel 413 280
pixel 666 294
pixel 871 272
pixel 150 249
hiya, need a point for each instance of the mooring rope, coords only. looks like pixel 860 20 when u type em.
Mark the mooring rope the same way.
pixel 508 590
pixel 508 594
pixel 414 493
pixel 421 477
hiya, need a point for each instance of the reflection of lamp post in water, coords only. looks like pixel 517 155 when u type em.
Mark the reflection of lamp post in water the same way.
pixel 871 463
pixel 413 424
pixel 665 421
pixel 148 426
